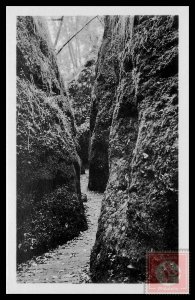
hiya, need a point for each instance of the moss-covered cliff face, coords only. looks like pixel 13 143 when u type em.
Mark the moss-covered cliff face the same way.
pixel 103 95
pixel 49 207
pixel 134 124
pixel 80 97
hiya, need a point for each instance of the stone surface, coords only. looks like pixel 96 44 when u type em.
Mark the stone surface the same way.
pixel 49 209
pixel 83 197
pixel 80 97
pixel 103 102
pixel 134 151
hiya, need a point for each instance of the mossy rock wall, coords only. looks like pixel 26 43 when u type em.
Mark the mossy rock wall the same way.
pixel 137 148
pixel 102 106
pixel 49 207
pixel 80 90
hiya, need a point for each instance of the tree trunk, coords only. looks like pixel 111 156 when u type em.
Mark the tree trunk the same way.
pixel 70 51
pixel 73 55
pixel 72 59
pixel 58 34
pixel 78 44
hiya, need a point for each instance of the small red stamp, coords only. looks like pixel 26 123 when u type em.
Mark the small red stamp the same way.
pixel 167 273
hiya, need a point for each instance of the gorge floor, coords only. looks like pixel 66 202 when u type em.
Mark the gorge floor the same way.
pixel 69 262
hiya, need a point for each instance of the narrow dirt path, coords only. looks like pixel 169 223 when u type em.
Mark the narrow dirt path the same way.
pixel 69 262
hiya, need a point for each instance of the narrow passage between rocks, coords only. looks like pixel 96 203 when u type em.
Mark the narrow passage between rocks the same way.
pixel 69 262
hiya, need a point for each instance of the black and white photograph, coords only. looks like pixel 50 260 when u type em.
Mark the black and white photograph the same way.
pixel 97 150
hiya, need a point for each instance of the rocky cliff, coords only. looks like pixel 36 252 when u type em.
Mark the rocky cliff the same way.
pixel 80 97
pixel 134 150
pixel 103 106
pixel 49 207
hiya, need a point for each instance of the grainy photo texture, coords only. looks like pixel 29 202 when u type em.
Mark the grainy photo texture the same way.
pixel 97 146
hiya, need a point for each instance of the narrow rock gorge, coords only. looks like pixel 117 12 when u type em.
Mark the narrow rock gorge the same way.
pixel 116 123
pixel 133 147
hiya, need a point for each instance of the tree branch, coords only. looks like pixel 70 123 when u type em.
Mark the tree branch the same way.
pixel 76 34
pixel 60 19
